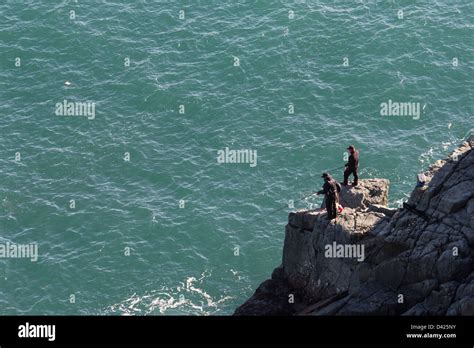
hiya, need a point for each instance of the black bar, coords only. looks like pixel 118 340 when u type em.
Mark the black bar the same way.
pixel 166 330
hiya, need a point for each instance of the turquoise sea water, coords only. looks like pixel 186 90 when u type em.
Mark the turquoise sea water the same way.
pixel 183 260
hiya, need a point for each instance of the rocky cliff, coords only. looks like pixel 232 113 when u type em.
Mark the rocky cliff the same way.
pixel 417 260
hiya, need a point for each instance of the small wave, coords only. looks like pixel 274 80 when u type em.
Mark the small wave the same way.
pixel 190 297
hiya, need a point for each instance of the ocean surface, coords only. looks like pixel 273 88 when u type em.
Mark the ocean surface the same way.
pixel 130 209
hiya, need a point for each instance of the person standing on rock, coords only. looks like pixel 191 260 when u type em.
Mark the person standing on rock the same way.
pixel 352 166
pixel 331 196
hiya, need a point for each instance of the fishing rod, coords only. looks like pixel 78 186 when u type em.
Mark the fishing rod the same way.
pixel 331 170
pixel 286 206
pixel 304 197
pixel 430 219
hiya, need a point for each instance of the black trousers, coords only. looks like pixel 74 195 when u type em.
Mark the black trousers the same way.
pixel 350 171
pixel 331 208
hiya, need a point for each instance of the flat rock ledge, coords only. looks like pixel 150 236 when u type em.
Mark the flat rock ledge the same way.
pixel 392 261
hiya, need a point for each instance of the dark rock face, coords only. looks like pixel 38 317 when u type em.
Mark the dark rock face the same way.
pixel 378 261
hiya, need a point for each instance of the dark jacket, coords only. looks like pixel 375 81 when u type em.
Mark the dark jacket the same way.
pixel 353 161
pixel 330 189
